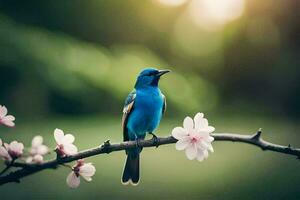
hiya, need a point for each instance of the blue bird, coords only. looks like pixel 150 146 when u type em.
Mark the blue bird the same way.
pixel 142 113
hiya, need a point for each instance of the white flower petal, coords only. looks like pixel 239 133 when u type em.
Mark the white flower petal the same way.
pixel 203 145
pixel 188 123
pixel 3 111
pixel 179 133
pixel 203 123
pixel 210 139
pixel 4 154
pixel 16 147
pixel 58 136
pixel 199 115
pixel 33 151
pixel 72 180
pixel 37 141
pixel 191 152
pixel 87 178
pixel 87 170
pixel 208 129
pixel 205 153
pixel 182 144
pixel 42 150
pixel 8 118
pixel 70 149
pixel 205 132
pixel 38 158
pixel 1 142
pixel 69 138
pixel 29 159
pixel 37 146
pixel 8 121
pixel 210 148
pixel 206 146
pixel 197 120
pixel 200 155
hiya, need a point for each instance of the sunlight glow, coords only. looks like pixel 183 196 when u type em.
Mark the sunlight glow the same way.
pixel 172 2
pixel 213 14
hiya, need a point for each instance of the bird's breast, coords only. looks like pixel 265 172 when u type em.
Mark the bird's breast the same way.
pixel 147 112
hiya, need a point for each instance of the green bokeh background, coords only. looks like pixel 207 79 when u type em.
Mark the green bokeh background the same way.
pixel 70 64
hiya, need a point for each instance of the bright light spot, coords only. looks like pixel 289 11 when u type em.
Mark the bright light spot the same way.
pixel 172 2
pixel 197 44
pixel 213 14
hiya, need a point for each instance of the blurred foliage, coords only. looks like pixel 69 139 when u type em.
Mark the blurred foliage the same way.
pixel 71 68
pixel 83 57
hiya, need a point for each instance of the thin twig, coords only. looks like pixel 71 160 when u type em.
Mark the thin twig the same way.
pixel 107 147
pixel 8 166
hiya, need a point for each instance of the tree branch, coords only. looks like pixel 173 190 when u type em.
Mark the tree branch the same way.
pixel 28 169
pixel 8 166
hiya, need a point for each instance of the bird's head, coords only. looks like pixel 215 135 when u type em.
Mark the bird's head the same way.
pixel 149 77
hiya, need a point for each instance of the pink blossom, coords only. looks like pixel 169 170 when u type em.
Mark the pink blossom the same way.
pixel 65 146
pixel 7 120
pixel 4 153
pixel 11 151
pixel 194 137
pixel 85 170
pixel 37 150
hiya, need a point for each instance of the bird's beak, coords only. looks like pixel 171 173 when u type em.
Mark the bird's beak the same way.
pixel 162 72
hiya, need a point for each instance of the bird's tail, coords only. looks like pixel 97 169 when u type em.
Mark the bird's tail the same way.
pixel 131 173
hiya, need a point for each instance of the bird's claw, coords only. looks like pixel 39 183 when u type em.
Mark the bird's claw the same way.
pixel 137 143
pixel 155 140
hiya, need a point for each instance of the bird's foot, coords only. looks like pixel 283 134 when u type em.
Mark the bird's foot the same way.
pixel 155 139
pixel 137 143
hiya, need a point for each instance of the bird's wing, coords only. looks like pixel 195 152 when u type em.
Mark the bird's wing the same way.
pixel 128 107
pixel 165 104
